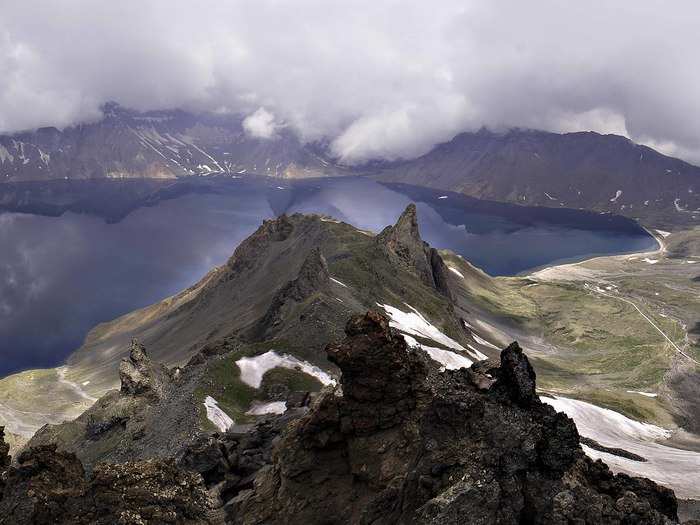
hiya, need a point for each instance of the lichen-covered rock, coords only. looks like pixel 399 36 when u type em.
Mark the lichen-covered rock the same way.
pixel 4 451
pixel 48 486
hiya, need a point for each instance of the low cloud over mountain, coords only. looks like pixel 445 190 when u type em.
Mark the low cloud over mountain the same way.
pixel 377 79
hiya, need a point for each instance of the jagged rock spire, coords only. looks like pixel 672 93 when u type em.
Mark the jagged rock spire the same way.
pixel 516 377
pixel 405 231
pixel 404 246
pixel 140 376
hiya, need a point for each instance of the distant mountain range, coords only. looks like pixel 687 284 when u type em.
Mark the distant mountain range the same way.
pixel 157 144
pixel 605 173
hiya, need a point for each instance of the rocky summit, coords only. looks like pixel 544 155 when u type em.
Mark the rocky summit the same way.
pixel 401 442
pixel 397 441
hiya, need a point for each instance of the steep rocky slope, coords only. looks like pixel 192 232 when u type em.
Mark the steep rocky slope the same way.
pixel 293 281
pixel 574 170
pixel 157 144
pixel 286 290
pixel 398 441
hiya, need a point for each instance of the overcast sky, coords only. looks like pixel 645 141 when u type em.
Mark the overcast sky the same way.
pixel 377 78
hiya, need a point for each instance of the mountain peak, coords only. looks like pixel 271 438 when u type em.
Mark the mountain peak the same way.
pixel 405 229
pixel 404 246
pixel 435 442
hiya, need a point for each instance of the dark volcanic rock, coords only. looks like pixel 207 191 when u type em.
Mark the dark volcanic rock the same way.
pixel 397 442
pixel 406 443
pixel 612 450
pixel 516 377
pixel 49 487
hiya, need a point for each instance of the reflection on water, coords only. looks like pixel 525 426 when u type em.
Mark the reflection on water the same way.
pixel 61 276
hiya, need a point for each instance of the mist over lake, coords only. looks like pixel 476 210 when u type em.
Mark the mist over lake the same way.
pixel 60 276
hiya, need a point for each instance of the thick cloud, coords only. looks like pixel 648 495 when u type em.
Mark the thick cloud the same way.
pixel 378 78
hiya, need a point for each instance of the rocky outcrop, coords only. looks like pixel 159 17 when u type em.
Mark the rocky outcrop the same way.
pixel 403 245
pixel 402 442
pixel 140 376
pixel 313 277
pixel 4 451
pixel 48 486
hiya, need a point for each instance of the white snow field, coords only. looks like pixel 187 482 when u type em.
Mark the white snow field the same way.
pixel 675 468
pixel 217 416
pixel 448 360
pixel 413 323
pixel 253 368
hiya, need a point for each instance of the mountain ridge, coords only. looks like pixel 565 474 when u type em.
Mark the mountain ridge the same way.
pixel 588 170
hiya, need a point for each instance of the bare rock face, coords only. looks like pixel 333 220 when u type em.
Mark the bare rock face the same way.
pixel 406 443
pixel 403 245
pixel 140 376
pixel 313 277
pixel 516 377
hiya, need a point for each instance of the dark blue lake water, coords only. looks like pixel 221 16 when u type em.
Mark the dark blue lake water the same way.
pixel 59 276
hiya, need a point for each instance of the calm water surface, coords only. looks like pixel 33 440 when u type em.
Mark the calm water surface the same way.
pixel 59 276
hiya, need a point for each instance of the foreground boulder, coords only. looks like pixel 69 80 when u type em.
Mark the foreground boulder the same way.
pixel 48 486
pixel 405 443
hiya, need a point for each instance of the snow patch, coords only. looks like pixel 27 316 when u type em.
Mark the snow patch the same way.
pixel 336 281
pixel 617 196
pixel 448 360
pixel 549 196
pixel 413 323
pixel 483 341
pixel 442 197
pixel 675 468
pixel 253 368
pixel 218 417
pixel 647 394
pixel 5 155
pixel 456 271
pixel 604 423
pixel 650 261
pixel 663 233
pixel 272 407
